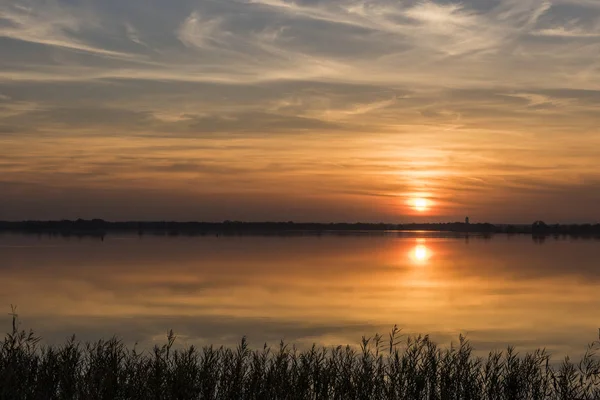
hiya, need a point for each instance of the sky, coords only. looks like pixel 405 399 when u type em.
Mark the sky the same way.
pixel 306 110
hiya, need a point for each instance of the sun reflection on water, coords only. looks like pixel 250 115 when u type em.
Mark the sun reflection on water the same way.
pixel 420 253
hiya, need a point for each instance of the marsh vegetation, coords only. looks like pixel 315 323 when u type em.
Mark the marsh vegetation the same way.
pixel 391 367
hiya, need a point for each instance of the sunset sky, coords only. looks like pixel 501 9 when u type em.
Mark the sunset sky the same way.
pixel 307 110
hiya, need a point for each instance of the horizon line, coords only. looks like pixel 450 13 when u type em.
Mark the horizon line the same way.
pixel 283 222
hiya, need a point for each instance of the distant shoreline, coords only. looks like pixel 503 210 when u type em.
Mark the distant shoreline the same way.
pixel 98 227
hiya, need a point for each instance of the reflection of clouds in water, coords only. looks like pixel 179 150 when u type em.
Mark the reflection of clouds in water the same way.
pixel 214 330
pixel 304 289
pixel 205 329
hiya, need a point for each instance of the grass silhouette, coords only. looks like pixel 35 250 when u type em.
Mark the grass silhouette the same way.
pixel 395 367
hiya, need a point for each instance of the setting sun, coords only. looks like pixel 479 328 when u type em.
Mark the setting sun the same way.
pixel 420 204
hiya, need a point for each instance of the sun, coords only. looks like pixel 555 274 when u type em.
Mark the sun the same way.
pixel 420 204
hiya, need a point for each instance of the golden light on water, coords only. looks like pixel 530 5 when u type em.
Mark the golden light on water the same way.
pixel 420 253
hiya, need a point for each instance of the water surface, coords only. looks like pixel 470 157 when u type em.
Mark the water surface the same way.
pixel 328 289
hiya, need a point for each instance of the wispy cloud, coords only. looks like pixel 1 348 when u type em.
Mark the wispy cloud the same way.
pixel 200 32
pixel 133 34
pixel 570 31
pixel 536 99
pixel 336 97
pixel 49 24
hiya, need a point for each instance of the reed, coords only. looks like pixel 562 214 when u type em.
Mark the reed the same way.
pixel 395 367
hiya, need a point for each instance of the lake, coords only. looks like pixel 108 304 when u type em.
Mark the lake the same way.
pixel 329 289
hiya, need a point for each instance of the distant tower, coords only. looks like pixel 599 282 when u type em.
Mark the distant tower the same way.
pixel 467 220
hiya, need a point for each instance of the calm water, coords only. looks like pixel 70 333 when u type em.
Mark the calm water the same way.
pixel 328 289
